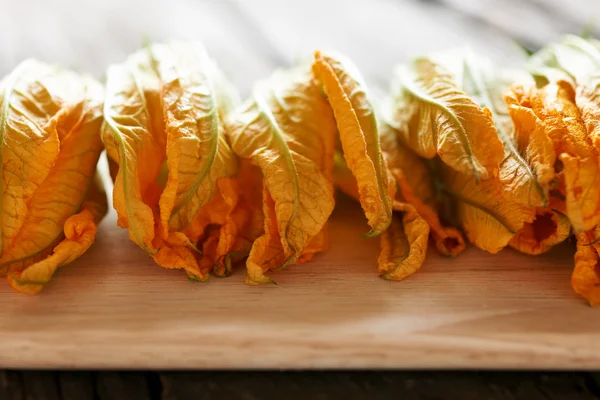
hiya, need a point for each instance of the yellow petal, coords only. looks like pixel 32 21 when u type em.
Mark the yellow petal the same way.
pixel 267 252
pixel 196 149
pixel 29 139
pixel 416 188
pixel 245 224
pixel 435 117
pixel 181 250
pixel 165 118
pixel 61 194
pixel 404 243
pixel 359 135
pixel 287 130
pixel 49 131
pixel 586 275
pixel 574 60
pixel 580 160
pixel 233 222
pixel 231 243
pixel 535 147
pixel 79 234
pixel 492 211
pixel 133 135
pixel 555 105
pixel 589 104
pixel 489 218
pixel 221 214
pixel 177 252
pixel 403 246
pixel 527 168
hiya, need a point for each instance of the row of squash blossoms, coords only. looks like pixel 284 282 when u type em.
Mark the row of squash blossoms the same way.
pixel 461 148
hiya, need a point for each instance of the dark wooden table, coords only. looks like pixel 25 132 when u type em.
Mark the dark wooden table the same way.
pixel 249 39
pixel 299 385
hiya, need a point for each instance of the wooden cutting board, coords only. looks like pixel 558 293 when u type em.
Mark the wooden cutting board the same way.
pixel 114 308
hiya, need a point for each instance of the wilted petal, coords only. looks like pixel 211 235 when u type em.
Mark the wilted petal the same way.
pixel 359 136
pixel 436 117
pixel 287 130
pixel 586 275
pixel 403 246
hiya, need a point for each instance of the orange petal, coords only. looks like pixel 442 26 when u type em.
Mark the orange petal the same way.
pixel 549 228
pixel 488 216
pixel 586 275
pixel 403 246
pixel 555 105
pixel 134 138
pixel 266 252
pixel 79 231
pixel 287 130
pixel 357 126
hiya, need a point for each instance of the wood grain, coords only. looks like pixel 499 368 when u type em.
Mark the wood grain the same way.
pixel 114 308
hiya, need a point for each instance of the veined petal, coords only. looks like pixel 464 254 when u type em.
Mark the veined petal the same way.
pixel 435 117
pixel 196 149
pixel 579 171
pixel 527 169
pixel 287 130
pixel 244 224
pixel 267 252
pixel 133 134
pixel 535 148
pixel 79 234
pixel 64 189
pixel 488 217
pixel 404 243
pixel 586 275
pixel 49 132
pixel 588 101
pixel 403 246
pixel 174 186
pixel 29 140
pixel 359 135
pixel 416 187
